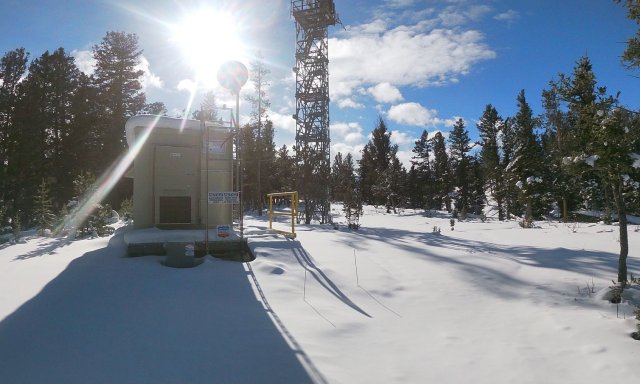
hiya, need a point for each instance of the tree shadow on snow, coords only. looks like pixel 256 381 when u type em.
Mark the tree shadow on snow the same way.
pixel 110 319
pixel 469 256
pixel 311 268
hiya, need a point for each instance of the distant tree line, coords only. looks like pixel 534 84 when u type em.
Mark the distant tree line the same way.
pixel 582 152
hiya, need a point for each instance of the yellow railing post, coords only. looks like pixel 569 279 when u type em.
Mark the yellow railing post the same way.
pixel 294 211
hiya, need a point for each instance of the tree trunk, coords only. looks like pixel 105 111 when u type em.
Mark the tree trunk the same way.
pixel 622 221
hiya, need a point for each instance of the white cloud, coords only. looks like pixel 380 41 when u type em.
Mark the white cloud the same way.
pixel 455 16
pixel 282 122
pixel 509 15
pixel 385 93
pixel 416 115
pixel 187 85
pixel 399 138
pixel 412 114
pixel 402 56
pixel 148 80
pixel 405 158
pixel 349 103
pixel 399 3
pixel 354 150
pixel 84 61
pixel 347 132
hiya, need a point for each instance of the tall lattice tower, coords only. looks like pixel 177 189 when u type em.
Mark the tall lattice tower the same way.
pixel 313 18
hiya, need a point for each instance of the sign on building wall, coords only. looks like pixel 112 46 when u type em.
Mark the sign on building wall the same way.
pixel 217 146
pixel 224 198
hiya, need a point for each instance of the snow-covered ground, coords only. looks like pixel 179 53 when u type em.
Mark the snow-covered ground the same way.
pixel 394 302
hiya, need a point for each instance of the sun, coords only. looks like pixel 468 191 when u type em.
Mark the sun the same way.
pixel 207 38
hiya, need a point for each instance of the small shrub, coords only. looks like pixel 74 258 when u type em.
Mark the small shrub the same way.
pixel 452 223
pixel 526 223
pixel 126 209
pixel 616 293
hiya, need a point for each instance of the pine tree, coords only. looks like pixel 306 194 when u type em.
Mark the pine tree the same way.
pixel 423 175
pixel 284 173
pixel 339 177
pixel 459 147
pixel 248 146
pixel 376 158
pixel 556 146
pixel 42 208
pixel 267 159
pixel 441 173
pixel 631 55
pixel 489 127
pixel 260 103
pixel 527 163
pixel 13 66
pixel 604 137
pixel 478 197
pixel 43 126
pixel 117 78
pixel 352 199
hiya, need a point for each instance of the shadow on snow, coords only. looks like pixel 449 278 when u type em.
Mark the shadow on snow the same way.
pixel 469 254
pixel 110 319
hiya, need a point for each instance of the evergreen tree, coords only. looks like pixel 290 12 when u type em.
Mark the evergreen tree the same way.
pixel 489 127
pixel 441 173
pixel 340 177
pixel 248 141
pixel 267 156
pixel 84 142
pixel 512 204
pixel 527 163
pixel 117 78
pixel 351 198
pixel 376 158
pixel 156 108
pixel 43 126
pixel 414 189
pixel 13 67
pixel 260 103
pixel 613 142
pixel 459 147
pixel 478 197
pixel 423 176
pixel 284 173
pixel 604 137
pixel 42 208
pixel 556 146
pixel 631 55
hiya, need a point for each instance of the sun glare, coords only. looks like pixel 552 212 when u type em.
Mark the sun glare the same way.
pixel 208 38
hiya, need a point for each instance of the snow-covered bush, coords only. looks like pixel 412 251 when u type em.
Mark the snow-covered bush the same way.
pixel 126 209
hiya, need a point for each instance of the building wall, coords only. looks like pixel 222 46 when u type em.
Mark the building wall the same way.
pixel 172 163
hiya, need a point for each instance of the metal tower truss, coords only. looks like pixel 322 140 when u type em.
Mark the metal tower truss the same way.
pixel 312 18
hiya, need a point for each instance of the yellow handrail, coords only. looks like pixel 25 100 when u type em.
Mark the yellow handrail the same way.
pixel 293 196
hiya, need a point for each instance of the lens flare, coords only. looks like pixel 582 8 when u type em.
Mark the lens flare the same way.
pixel 105 183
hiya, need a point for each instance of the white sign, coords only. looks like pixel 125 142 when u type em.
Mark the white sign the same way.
pixel 224 198
pixel 224 231
pixel 217 146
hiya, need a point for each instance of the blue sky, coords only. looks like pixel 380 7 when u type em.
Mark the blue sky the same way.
pixel 418 64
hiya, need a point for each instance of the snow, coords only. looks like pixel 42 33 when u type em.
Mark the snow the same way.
pixel 591 160
pixel 636 159
pixel 392 302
